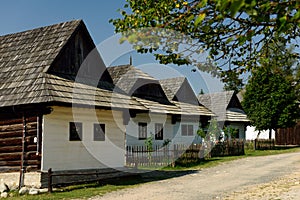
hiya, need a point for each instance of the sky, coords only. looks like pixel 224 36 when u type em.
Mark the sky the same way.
pixel 21 15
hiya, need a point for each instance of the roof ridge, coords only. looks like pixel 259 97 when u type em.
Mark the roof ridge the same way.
pixel 41 27
pixel 177 77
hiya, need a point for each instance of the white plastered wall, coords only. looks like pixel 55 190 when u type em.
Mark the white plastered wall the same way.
pixel 151 119
pixel 171 131
pixel 59 153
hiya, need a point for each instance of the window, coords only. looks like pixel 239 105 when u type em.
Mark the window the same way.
pixel 159 131
pixel 187 130
pixel 99 132
pixel 236 133
pixel 142 131
pixel 75 131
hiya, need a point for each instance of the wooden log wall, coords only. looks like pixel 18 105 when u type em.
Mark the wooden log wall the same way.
pixel 11 133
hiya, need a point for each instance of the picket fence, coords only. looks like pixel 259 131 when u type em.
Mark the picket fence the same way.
pixel 172 154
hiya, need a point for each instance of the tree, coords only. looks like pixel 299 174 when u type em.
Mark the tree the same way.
pixel 270 99
pixel 232 81
pixel 177 31
pixel 297 82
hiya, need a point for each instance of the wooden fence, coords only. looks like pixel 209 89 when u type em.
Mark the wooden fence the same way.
pixel 264 144
pixel 59 178
pixel 167 155
pixel 228 148
pixel 288 136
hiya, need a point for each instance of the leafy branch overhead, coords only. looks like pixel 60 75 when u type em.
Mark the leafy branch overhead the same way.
pixel 233 31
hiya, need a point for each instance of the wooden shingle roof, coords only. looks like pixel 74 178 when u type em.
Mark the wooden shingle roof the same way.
pixel 135 82
pixel 126 76
pixel 25 59
pixel 179 89
pixel 225 105
pixel 67 91
pixel 171 86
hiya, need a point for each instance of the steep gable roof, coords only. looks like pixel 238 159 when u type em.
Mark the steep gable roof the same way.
pixel 135 82
pixel 171 86
pixel 225 105
pixel 25 56
pixel 179 89
pixel 125 77
pixel 27 76
pixel 138 83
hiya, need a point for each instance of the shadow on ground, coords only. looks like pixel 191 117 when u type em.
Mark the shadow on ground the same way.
pixel 141 176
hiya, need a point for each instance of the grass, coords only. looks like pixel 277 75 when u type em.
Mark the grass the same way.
pixel 76 191
pixel 85 191
pixel 218 160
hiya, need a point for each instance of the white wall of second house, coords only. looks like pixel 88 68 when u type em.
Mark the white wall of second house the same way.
pixel 171 131
pixel 151 119
pixel 180 139
pixel 59 153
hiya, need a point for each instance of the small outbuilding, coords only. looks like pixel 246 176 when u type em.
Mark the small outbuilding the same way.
pixel 228 109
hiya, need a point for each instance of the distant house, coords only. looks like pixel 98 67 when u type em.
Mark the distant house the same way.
pixel 228 109
pixel 54 114
pixel 168 119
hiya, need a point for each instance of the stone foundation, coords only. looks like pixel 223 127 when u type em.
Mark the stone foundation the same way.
pixel 40 179
pixel 31 179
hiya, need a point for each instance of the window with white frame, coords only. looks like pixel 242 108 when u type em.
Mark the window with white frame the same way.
pixel 75 131
pixel 159 131
pixel 99 132
pixel 187 130
pixel 142 131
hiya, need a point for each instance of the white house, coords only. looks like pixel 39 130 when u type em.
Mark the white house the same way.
pixel 168 120
pixel 228 109
pixel 57 105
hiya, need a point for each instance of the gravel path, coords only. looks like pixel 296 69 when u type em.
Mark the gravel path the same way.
pixel 268 177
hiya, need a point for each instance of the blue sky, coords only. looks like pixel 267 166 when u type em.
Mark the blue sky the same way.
pixel 20 15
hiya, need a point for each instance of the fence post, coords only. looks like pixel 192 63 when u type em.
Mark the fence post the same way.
pixel 50 180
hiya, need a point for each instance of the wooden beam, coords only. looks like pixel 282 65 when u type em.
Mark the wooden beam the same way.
pixel 22 170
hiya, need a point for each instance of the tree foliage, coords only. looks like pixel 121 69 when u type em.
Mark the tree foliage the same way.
pixel 270 99
pixel 177 31
pixel 232 81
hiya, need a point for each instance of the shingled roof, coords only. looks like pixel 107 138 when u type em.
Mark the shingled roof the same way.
pixel 225 105
pixel 25 78
pixel 135 82
pixel 171 86
pixel 126 76
pixel 179 89
pixel 132 80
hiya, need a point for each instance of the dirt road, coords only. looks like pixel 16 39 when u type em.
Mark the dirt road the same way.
pixel 268 177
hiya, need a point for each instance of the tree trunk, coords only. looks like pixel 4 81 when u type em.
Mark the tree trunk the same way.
pixel 258 135
pixel 270 133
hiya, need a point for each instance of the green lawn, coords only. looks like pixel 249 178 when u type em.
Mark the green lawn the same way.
pixel 93 189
